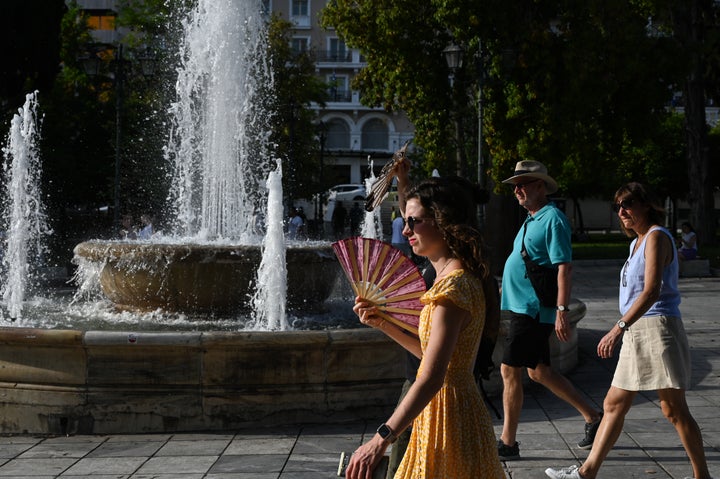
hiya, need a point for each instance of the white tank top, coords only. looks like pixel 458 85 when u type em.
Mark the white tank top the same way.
pixel 632 281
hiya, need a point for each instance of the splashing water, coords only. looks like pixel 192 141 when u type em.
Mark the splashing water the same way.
pixel 269 302
pixel 372 223
pixel 24 220
pixel 219 141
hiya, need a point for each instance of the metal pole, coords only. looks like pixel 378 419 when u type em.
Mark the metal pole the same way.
pixel 118 133
pixel 480 165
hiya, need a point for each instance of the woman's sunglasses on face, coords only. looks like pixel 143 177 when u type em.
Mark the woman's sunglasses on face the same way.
pixel 411 221
pixel 626 204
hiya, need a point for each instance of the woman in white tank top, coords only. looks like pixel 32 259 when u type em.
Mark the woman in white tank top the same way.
pixel 655 353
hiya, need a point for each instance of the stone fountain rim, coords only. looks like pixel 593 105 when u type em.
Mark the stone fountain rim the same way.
pixel 102 250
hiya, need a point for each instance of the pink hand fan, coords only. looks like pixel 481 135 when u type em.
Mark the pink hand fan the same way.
pixel 384 275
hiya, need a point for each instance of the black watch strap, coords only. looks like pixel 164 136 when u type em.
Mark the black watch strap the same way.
pixel 386 433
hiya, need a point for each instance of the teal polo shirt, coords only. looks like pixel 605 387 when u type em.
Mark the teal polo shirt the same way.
pixel 548 242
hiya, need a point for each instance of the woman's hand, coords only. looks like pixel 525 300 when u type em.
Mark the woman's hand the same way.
pixel 367 312
pixel 365 459
pixel 607 344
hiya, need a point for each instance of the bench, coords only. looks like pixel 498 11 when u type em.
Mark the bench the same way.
pixel 694 268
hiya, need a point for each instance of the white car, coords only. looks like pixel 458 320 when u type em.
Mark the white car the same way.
pixel 347 192
pixel 347 195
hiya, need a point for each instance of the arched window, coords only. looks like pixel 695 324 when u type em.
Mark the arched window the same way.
pixel 338 135
pixel 375 135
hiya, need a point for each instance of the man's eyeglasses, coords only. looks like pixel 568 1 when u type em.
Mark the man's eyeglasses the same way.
pixel 624 204
pixel 523 185
pixel 411 221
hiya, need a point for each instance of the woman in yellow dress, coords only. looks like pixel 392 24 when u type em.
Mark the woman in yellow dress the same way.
pixel 452 434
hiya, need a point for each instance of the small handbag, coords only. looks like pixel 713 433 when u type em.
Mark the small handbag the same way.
pixel 543 279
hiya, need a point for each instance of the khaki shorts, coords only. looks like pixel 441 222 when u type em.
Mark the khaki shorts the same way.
pixel 654 355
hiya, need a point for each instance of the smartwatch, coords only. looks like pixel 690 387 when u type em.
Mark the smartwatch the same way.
pixel 622 324
pixel 562 307
pixel 386 433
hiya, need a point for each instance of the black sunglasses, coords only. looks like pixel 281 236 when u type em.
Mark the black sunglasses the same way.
pixel 624 204
pixel 523 185
pixel 411 221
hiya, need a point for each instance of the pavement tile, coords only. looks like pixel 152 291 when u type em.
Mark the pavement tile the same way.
pixel 105 465
pixel 262 445
pixel 264 463
pixel 57 449
pixel 208 447
pixel 36 467
pixel 320 463
pixel 177 465
pixel 127 449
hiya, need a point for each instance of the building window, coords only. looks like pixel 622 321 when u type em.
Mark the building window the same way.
pixel 300 8
pixel 375 135
pixel 337 52
pixel 300 13
pixel 338 135
pixel 300 44
pixel 338 88
pixel 101 22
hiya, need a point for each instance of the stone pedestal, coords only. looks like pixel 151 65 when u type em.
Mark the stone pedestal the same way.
pixel 695 268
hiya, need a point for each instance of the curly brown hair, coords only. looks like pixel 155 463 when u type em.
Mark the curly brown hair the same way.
pixel 452 202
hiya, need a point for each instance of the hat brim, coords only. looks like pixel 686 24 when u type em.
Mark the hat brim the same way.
pixel 550 183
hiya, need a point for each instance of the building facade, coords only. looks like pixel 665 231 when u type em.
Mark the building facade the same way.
pixel 354 132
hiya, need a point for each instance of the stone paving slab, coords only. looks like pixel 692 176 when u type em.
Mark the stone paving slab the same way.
pixel 549 429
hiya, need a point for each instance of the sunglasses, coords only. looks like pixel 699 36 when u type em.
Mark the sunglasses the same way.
pixel 523 185
pixel 626 204
pixel 411 221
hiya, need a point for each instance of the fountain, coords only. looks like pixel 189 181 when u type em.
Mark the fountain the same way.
pixel 213 274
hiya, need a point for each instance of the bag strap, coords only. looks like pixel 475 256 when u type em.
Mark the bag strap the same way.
pixel 523 251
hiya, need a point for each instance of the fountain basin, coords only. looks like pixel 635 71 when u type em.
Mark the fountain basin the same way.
pixel 202 278
pixel 104 382
pixel 97 382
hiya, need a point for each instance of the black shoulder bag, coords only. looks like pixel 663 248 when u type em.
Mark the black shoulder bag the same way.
pixel 543 279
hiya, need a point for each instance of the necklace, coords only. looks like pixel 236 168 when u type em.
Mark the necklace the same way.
pixel 444 267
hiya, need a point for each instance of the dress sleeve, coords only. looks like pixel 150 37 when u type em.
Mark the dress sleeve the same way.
pixel 456 289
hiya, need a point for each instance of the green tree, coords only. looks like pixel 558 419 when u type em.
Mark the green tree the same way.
pixel 295 123
pixel 577 86
pixel 31 57
pixel 695 27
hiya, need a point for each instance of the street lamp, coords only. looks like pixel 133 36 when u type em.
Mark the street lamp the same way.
pixel 480 159
pixel 454 57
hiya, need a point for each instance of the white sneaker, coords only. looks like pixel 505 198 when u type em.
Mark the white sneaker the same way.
pixel 572 472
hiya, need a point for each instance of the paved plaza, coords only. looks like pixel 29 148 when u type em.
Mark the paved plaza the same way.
pixel 549 428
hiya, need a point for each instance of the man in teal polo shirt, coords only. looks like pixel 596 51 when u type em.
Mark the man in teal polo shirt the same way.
pixel 546 235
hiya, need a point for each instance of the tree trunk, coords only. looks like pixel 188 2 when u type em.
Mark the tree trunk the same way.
pixel 700 196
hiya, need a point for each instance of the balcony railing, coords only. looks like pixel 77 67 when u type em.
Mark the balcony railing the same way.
pixel 333 56
pixel 339 95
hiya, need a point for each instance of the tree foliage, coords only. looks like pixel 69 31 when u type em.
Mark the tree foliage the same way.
pixel 296 88
pixel 580 86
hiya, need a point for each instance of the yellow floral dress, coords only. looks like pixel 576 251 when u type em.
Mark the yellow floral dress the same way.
pixel 453 437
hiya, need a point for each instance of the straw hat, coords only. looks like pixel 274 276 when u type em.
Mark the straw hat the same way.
pixel 532 169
